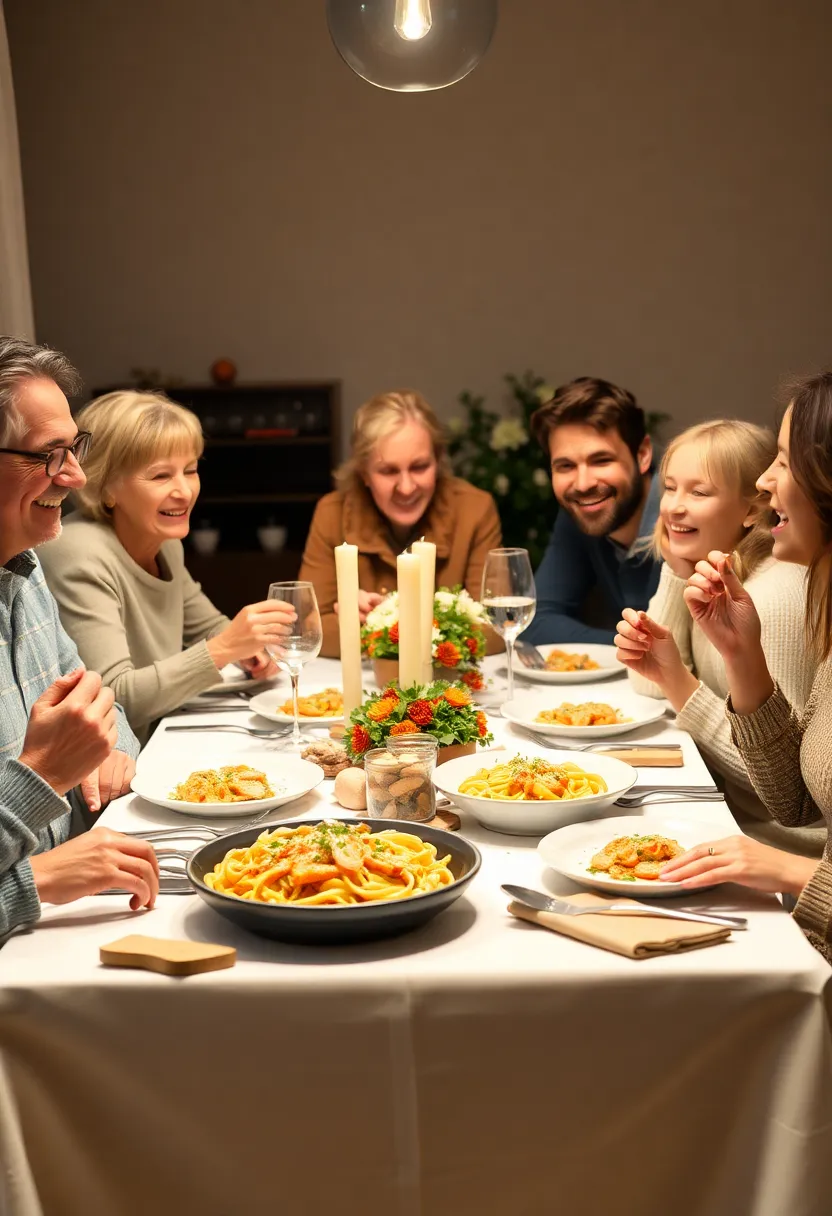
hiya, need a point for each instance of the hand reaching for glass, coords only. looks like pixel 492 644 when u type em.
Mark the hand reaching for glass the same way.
pixel 254 628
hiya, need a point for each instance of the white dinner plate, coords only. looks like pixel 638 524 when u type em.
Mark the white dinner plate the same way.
pixel 533 818
pixel 605 656
pixel 289 776
pixel 569 850
pixel 234 679
pixel 267 705
pixel 637 710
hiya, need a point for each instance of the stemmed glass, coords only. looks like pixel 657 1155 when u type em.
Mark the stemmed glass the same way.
pixel 304 642
pixel 509 598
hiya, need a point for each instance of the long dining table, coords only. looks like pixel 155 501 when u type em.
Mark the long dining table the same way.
pixel 476 1065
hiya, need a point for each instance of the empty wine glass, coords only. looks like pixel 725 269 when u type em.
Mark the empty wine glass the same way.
pixel 509 598
pixel 304 642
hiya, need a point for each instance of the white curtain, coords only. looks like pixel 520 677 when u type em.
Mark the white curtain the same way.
pixel 16 316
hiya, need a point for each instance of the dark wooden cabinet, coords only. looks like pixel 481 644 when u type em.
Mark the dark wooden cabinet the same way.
pixel 270 450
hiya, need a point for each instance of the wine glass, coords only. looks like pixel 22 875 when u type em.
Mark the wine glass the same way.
pixel 304 642
pixel 509 598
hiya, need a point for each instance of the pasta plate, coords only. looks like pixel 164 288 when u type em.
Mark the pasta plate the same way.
pixel 326 924
pixel 569 850
pixel 268 705
pixel 605 656
pixel 634 710
pixel 289 776
pixel 533 818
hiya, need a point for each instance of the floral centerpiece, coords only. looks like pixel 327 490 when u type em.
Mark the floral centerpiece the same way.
pixel 440 709
pixel 458 637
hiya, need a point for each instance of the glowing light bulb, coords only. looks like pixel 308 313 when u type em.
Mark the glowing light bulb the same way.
pixel 413 19
pixel 411 46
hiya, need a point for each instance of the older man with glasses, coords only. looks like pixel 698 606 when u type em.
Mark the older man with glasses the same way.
pixel 62 737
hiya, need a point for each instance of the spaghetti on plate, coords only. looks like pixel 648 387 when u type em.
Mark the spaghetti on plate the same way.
pixel 330 864
pixel 535 779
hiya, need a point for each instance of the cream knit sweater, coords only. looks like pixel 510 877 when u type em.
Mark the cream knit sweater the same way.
pixel 145 635
pixel 778 590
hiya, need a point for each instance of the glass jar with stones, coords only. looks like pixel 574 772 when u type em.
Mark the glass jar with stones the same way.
pixel 398 778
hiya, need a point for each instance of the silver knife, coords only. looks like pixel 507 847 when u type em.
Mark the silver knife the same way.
pixel 563 907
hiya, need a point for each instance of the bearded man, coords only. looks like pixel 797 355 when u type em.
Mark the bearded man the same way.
pixel 602 467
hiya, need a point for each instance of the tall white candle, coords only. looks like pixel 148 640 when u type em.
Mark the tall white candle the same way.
pixel 408 570
pixel 349 627
pixel 425 550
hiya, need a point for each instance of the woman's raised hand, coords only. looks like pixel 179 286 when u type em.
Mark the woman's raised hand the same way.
pixel 647 647
pixel 254 628
pixel 723 609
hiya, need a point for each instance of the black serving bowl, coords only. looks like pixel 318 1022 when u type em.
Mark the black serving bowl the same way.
pixel 336 925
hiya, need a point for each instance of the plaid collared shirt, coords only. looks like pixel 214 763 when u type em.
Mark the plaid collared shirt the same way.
pixel 34 651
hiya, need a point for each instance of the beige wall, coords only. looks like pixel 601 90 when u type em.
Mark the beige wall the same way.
pixel 640 190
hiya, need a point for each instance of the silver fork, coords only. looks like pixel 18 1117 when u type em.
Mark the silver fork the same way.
pixel 653 797
pixel 255 731
pixel 609 745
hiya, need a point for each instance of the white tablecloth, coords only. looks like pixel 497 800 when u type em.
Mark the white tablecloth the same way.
pixel 478 1065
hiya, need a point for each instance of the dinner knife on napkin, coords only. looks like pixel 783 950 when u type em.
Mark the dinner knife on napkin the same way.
pixel 562 907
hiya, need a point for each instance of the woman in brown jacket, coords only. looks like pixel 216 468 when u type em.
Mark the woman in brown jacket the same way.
pixel 396 488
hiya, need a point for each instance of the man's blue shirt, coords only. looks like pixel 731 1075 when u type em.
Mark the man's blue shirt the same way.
pixel 574 563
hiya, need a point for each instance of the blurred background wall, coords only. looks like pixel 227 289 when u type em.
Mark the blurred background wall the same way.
pixel 637 191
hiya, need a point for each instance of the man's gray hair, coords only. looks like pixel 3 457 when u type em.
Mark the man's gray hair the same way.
pixel 21 361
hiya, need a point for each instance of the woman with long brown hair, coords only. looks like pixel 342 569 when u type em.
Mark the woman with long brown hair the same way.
pixel 787 755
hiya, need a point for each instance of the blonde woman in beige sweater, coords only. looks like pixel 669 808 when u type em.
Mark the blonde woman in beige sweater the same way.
pixel 787 753
pixel 710 501
pixel 118 571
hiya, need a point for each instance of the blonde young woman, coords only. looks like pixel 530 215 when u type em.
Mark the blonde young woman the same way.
pixel 395 488
pixel 118 572
pixel 710 501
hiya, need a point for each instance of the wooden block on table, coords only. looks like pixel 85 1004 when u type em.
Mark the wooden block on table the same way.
pixel 648 757
pixel 167 955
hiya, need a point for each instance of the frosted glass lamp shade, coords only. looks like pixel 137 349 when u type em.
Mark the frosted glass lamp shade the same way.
pixel 411 46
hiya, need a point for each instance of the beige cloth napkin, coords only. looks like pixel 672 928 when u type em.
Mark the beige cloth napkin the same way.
pixel 641 936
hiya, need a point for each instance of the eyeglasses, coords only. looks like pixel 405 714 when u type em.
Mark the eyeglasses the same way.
pixel 55 458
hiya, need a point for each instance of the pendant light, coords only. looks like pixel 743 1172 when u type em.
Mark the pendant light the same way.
pixel 411 46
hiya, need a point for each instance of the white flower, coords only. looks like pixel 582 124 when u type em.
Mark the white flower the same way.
pixel 507 433
pixel 445 599
pixel 501 483
pixel 544 393
pixel 540 477
pixel 384 614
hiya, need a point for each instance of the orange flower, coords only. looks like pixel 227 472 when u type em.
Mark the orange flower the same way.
pixel 404 728
pixel 390 694
pixel 381 710
pixel 421 712
pixel 359 740
pixel 394 632
pixel 471 643
pixel 458 697
pixel 447 654
pixel 482 724
pixel 474 680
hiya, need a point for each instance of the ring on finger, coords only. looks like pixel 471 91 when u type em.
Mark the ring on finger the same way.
pixel 710 850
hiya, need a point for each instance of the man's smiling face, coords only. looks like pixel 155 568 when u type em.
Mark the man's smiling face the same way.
pixel 595 477
pixel 30 500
